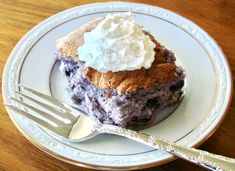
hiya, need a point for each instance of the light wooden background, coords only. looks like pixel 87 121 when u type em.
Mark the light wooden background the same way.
pixel 17 17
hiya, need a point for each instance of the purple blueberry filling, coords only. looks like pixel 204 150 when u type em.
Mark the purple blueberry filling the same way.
pixel 111 108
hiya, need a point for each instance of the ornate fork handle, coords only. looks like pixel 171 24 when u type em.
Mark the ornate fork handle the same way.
pixel 199 157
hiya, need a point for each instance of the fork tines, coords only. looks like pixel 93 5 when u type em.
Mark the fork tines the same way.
pixel 41 108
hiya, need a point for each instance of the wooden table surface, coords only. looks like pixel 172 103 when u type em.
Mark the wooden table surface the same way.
pixel 17 17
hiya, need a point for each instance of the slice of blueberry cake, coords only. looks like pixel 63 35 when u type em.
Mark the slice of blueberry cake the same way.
pixel 118 96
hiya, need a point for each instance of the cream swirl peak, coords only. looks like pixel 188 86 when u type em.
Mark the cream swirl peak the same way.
pixel 117 44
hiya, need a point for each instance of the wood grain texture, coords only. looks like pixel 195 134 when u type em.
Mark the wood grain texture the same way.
pixel 17 17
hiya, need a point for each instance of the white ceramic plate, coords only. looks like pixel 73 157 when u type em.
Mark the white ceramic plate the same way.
pixel 207 96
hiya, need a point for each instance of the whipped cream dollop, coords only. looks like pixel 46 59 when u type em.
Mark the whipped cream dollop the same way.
pixel 117 44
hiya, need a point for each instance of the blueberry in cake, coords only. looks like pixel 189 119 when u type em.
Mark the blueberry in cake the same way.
pixel 118 72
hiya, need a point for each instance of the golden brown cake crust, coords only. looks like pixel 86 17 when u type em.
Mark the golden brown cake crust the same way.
pixel 130 81
pixel 160 72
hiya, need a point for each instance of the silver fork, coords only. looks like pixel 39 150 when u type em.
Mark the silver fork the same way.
pixel 71 124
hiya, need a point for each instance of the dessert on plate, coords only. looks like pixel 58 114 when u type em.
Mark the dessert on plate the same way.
pixel 117 71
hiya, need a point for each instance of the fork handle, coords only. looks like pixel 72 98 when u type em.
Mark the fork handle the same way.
pixel 199 157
